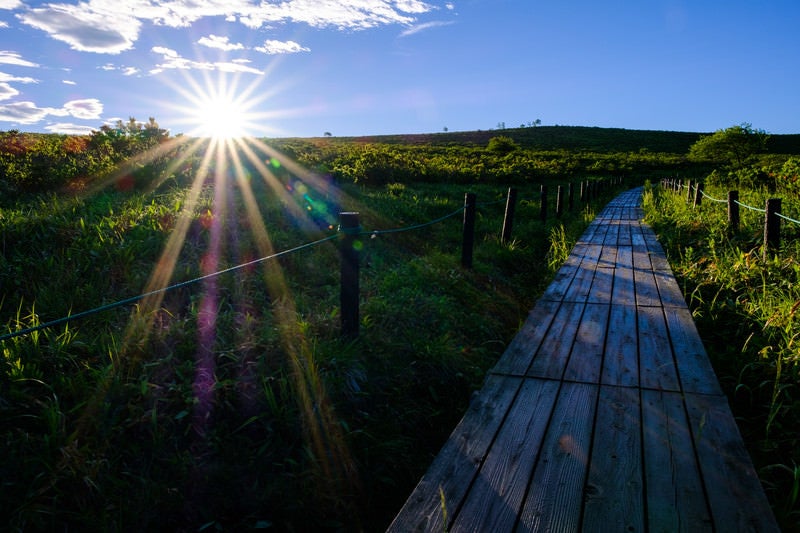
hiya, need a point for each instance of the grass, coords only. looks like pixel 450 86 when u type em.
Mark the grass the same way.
pixel 233 403
pixel 745 304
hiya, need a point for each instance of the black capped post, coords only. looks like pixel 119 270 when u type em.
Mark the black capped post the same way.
pixel 349 253
pixel 468 235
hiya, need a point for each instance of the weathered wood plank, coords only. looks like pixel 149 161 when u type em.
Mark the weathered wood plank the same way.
pixel 586 359
pixel 646 288
pixel 668 290
pixel 621 362
pixel 737 499
pixel 495 498
pixel 602 286
pixel 523 347
pixel 555 495
pixel 656 364
pixel 553 354
pixel 694 367
pixel 675 497
pixel 457 464
pixel 614 489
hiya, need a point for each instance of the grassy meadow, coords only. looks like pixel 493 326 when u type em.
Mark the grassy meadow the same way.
pixel 231 401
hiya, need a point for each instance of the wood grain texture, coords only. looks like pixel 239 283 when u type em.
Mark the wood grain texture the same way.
pixel 613 497
pixel 457 464
pixel 675 497
pixel 495 498
pixel 555 496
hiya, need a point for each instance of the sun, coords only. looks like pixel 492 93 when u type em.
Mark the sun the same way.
pixel 221 117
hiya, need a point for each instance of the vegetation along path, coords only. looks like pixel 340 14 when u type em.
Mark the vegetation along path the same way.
pixel 603 414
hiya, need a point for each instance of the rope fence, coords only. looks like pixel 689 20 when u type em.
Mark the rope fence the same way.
pixel 772 210
pixel 350 228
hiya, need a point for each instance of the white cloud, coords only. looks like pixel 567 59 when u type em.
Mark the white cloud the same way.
pixel 129 71
pixel 69 129
pixel 24 112
pixel 7 91
pixel 21 79
pixel 173 60
pixel 69 82
pixel 10 4
pixel 222 43
pixel 13 58
pixel 422 27
pixel 86 109
pixel 281 47
pixel 86 27
pixel 3 24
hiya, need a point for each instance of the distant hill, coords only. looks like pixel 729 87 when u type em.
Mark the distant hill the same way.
pixel 580 138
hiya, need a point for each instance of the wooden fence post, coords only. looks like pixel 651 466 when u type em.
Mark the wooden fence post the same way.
pixel 349 225
pixel 543 203
pixel 468 235
pixel 733 212
pixel 583 191
pixel 559 201
pixel 570 196
pixel 508 219
pixel 689 194
pixel 698 194
pixel 772 226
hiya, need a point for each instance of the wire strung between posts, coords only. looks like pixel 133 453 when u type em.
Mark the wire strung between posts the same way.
pixel 712 198
pixel 751 207
pixel 134 299
pixel 784 217
pixel 409 228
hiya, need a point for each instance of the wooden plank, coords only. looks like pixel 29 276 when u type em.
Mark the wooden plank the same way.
pixel 694 367
pixel 457 464
pixel 624 292
pixel 670 293
pixel 656 364
pixel 523 347
pixel 624 238
pixel 646 288
pixel 675 497
pixel 735 494
pixel 586 360
pixel 555 494
pixel 551 359
pixel 602 286
pixel 496 496
pixel 621 362
pixel 614 488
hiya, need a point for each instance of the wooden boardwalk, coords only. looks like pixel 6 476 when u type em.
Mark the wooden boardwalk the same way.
pixel 603 414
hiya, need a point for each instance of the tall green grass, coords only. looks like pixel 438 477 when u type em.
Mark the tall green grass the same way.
pixel 745 304
pixel 233 403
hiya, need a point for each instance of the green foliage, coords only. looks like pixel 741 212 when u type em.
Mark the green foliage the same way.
pixel 734 146
pixel 502 145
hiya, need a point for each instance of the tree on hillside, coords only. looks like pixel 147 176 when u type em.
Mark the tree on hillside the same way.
pixel 733 146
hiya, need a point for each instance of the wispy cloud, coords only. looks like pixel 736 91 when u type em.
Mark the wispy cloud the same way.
pixel 173 60
pixel 101 26
pixel 281 47
pixel 425 26
pixel 30 113
pixel 10 4
pixel 69 129
pixel 13 58
pixel 7 91
pixel 20 79
pixel 68 82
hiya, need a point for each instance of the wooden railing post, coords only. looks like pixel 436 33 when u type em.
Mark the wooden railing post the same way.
pixel 733 212
pixel 570 196
pixel 698 194
pixel 689 193
pixel 508 219
pixel 559 201
pixel 543 203
pixel 349 252
pixel 772 226
pixel 468 235
pixel 583 191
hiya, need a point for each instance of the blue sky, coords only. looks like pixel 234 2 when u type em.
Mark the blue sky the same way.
pixel 367 67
